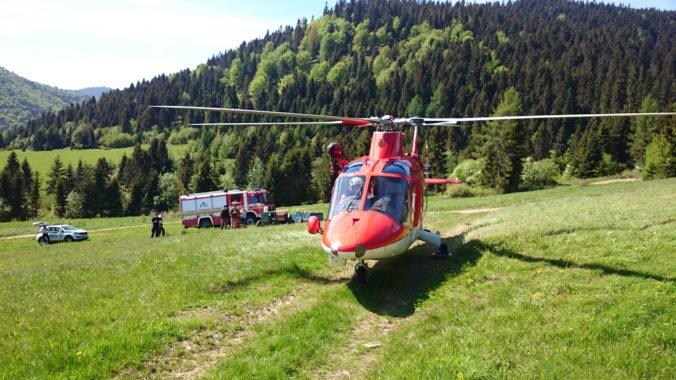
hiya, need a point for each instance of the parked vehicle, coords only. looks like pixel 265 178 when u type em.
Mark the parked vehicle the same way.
pixel 59 232
pixel 302 216
pixel 273 217
pixel 203 210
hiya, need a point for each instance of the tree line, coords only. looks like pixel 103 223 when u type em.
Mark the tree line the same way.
pixel 151 181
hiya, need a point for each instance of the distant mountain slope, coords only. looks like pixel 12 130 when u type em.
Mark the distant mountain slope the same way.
pixel 93 91
pixel 22 99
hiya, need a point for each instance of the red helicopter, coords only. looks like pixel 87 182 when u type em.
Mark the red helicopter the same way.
pixel 376 208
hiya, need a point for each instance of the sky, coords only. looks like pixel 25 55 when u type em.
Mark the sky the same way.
pixel 73 44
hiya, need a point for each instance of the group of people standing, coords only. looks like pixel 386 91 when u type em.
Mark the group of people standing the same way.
pixel 158 226
pixel 230 218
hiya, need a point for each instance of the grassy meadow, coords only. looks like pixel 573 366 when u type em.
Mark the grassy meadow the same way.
pixel 572 282
pixel 41 161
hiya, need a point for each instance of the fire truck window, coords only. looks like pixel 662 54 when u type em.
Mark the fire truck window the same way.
pixel 236 198
pixel 254 198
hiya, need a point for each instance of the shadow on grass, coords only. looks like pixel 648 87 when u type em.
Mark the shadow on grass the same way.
pixel 292 271
pixel 480 246
pixel 398 284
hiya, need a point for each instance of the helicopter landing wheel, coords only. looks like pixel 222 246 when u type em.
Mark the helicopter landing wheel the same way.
pixel 442 252
pixel 361 273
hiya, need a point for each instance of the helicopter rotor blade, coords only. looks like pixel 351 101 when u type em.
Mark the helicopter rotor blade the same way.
pixel 360 122
pixel 270 123
pixel 455 121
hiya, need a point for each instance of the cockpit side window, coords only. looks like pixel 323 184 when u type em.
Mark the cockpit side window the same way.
pixel 388 195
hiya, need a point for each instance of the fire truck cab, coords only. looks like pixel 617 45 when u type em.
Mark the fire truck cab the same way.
pixel 203 210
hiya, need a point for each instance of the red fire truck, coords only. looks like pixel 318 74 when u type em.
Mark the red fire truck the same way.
pixel 204 209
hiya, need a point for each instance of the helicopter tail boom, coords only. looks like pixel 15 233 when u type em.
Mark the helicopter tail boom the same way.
pixel 442 181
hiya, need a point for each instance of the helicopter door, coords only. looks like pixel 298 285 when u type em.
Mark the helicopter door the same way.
pixel 415 205
pixel 414 198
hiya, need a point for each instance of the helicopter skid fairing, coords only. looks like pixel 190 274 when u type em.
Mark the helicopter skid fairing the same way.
pixel 338 258
pixel 393 249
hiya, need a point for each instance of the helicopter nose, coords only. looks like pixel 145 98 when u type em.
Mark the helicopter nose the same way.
pixel 370 229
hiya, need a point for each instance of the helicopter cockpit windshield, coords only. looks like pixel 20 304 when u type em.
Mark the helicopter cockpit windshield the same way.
pixel 388 195
pixel 347 194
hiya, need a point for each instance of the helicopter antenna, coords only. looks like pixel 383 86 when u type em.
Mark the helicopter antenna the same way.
pixel 427 169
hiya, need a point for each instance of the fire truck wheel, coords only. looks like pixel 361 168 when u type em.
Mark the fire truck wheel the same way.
pixel 299 220
pixel 205 223
pixel 250 219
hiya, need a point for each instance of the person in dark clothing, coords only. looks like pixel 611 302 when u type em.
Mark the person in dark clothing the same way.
pixel 158 227
pixel 225 217
pixel 44 233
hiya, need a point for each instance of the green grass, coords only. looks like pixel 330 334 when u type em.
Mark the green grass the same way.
pixel 41 161
pixel 25 227
pixel 573 282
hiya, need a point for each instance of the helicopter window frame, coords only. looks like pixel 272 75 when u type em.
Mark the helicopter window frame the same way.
pixel 399 169
pixel 353 167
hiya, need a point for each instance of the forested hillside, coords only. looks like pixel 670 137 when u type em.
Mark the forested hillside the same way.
pixel 22 100
pixel 407 58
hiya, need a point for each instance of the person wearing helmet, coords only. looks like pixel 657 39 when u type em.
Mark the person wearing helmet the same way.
pixel 349 200
pixel 356 184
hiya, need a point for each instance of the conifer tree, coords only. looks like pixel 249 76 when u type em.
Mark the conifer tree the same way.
pixel 505 146
pixel 660 159
pixel 184 173
pixel 204 179
pixel 114 198
pixel 57 185
pixel 241 167
pixel 102 173
pixel 643 128
pixel 255 174
pixel 34 198
pixel 55 175
pixel 13 193
pixel 159 156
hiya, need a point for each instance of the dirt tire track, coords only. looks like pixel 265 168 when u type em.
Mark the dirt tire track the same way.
pixel 370 335
pixel 193 357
